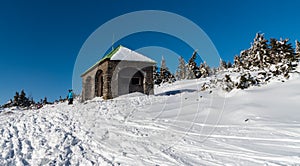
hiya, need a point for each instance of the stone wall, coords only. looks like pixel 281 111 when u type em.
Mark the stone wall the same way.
pixel 88 94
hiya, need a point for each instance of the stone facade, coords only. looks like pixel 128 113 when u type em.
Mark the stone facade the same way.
pixel 112 78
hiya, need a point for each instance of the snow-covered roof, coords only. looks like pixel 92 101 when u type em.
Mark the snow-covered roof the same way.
pixel 124 54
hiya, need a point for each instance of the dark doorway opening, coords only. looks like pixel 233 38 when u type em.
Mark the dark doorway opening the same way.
pixel 99 83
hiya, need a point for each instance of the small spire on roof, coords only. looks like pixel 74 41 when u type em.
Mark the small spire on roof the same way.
pixel 113 41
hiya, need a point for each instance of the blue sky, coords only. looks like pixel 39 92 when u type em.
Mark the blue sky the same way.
pixel 40 40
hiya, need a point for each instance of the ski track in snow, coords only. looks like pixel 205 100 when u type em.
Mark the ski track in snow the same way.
pixel 150 130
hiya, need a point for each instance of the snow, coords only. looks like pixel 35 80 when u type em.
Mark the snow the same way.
pixel 126 54
pixel 180 125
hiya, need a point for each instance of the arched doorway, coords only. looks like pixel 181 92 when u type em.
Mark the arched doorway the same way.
pixel 99 83
pixel 137 83
pixel 130 80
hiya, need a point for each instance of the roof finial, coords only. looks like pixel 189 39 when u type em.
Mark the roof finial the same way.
pixel 113 41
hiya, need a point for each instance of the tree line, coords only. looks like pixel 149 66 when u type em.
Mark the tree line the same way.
pixel 271 57
pixel 21 100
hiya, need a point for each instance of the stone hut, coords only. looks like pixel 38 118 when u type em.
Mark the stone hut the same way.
pixel 122 71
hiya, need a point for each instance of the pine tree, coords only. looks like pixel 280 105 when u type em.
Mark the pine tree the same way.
pixel 297 51
pixel 193 70
pixel 189 72
pixel 163 70
pixel 282 55
pixel 228 84
pixel 243 82
pixel 237 62
pixel 222 65
pixel 163 65
pixel 208 69
pixel 205 70
pixel 286 51
pixel 165 75
pixel 45 101
pixel 214 71
pixel 16 99
pixel 156 76
pixel 177 75
pixel 31 101
pixel 22 99
pixel 246 80
pixel 259 51
pixel 181 70
pixel 245 59
pixel 255 56
pixel 229 65
pixel 274 51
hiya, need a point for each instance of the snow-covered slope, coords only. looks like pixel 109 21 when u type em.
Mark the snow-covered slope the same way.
pixel 179 126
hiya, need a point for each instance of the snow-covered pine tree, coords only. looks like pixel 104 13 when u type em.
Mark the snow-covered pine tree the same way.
pixel 255 56
pixel 45 101
pixel 163 64
pixel 16 99
pixel 245 59
pixel 237 63
pixel 156 76
pixel 228 84
pixel 22 98
pixel 193 70
pixel 189 73
pixel 222 65
pixel 163 70
pixel 282 56
pixel 171 78
pixel 297 50
pixel 205 70
pixel 245 81
pixel 214 71
pixel 165 74
pixel 274 51
pixel 285 51
pixel 208 69
pixel 259 52
pixel 177 75
pixel 181 70
pixel 288 55
pixel 229 65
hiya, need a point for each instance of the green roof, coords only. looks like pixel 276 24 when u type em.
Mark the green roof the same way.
pixel 107 56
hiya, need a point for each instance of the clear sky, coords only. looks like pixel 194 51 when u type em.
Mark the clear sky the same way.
pixel 40 40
